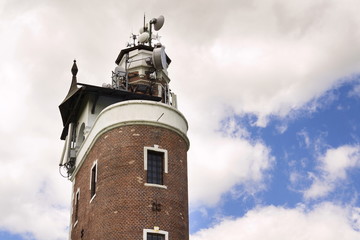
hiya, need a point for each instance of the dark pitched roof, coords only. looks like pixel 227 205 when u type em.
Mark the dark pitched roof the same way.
pixel 70 107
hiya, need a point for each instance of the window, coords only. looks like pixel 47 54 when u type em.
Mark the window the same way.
pixel 77 198
pixel 155 165
pixel 93 180
pixel 81 136
pixel 155 236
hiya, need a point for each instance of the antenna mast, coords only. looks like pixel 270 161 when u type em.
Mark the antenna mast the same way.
pixel 144 22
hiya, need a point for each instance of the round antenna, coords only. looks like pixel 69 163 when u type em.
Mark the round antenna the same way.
pixel 159 58
pixel 144 37
pixel 158 22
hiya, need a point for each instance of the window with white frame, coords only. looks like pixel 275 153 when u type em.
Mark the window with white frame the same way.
pixel 155 168
pixel 151 234
pixel 76 206
pixel 93 180
pixel 155 236
pixel 156 165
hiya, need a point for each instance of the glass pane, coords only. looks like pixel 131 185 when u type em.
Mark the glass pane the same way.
pixel 155 167
pixel 93 181
pixel 155 236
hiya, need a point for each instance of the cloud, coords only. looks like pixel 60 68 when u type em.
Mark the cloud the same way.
pixel 271 58
pixel 36 200
pixel 306 139
pixel 222 155
pixel 281 128
pixel 333 169
pixel 355 92
pixel 223 163
pixel 324 221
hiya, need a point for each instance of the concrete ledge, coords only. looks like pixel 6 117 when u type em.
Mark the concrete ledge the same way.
pixel 132 112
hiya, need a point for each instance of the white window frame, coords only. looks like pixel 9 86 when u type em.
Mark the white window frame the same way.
pixel 95 164
pixel 146 231
pixel 156 149
pixel 76 203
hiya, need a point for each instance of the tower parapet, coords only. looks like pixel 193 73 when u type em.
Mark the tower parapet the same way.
pixel 126 149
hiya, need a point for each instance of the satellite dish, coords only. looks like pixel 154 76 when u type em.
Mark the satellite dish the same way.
pixel 144 37
pixel 158 22
pixel 159 58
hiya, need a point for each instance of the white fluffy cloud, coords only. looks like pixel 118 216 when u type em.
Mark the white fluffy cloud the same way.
pixel 35 199
pixel 269 58
pixel 333 169
pixel 220 163
pixel 223 156
pixel 263 58
pixel 324 221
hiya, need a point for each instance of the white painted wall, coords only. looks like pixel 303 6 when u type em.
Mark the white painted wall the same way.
pixel 130 113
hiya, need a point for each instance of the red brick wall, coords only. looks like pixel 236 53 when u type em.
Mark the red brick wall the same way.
pixel 122 207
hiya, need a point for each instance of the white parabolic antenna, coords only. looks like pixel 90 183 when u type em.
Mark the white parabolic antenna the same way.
pixel 159 58
pixel 144 37
pixel 158 22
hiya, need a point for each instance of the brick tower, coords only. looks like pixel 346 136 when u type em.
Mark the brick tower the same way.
pixel 126 149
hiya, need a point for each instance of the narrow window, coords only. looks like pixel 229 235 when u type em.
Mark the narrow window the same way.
pixel 155 167
pixel 155 236
pixel 93 180
pixel 77 198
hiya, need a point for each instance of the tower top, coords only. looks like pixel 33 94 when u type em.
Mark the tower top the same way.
pixel 142 65
pixel 146 34
pixel 140 74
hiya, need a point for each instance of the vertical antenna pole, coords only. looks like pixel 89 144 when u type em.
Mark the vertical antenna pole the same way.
pixel 126 72
pixel 144 21
pixel 150 33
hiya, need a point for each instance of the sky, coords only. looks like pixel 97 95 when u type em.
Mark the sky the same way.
pixel 271 91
